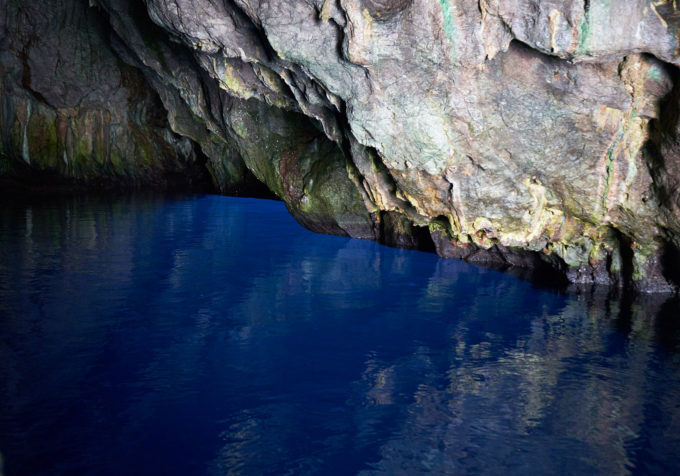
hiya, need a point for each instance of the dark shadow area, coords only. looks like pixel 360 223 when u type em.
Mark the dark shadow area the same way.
pixel 542 271
pixel 541 274
pixel 669 113
pixel 26 180
pixel 397 231
pixel 663 136
pixel 661 312
pixel 668 325
pixel 623 319
pixel 670 262
pixel 626 251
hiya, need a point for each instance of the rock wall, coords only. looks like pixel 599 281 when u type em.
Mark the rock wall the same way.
pixel 512 132
pixel 73 113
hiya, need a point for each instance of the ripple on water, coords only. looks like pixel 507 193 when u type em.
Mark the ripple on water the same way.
pixel 204 334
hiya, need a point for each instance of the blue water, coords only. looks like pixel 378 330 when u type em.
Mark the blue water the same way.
pixel 213 335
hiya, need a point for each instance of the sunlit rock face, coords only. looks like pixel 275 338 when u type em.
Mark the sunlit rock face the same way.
pixel 519 132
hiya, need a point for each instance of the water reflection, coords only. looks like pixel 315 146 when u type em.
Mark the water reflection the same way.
pixel 569 390
pixel 214 335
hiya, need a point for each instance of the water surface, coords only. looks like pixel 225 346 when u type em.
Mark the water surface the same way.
pixel 213 335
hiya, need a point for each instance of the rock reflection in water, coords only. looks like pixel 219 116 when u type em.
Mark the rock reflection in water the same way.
pixel 215 335
pixel 569 391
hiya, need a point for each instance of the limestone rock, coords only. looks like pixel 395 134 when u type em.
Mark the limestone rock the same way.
pixel 74 115
pixel 519 132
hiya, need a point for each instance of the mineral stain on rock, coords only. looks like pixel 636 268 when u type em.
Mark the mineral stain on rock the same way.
pixel 386 9
pixel 526 134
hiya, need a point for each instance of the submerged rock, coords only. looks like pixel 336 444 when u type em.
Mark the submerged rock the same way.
pixel 513 132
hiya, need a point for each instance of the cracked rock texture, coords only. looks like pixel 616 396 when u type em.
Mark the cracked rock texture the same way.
pixel 507 132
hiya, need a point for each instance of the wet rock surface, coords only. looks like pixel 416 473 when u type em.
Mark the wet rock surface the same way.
pixel 514 132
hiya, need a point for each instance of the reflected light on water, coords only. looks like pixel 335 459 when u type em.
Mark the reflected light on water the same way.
pixel 213 335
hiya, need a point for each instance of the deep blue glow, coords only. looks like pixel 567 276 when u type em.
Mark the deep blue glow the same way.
pixel 214 335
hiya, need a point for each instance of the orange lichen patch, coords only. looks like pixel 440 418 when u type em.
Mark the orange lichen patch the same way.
pixel 325 13
pixel 360 31
pixel 608 118
pixel 554 19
